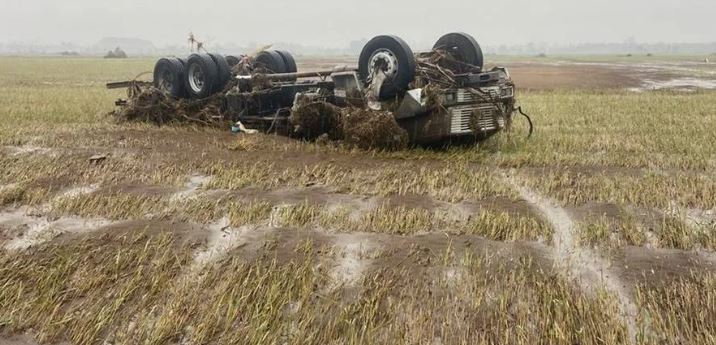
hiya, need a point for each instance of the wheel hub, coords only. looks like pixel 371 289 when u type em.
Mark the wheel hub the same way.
pixel 196 78
pixel 384 60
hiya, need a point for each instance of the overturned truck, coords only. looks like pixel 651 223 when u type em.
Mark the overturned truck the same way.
pixel 440 96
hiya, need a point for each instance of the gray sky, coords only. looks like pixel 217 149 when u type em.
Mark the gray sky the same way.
pixel 335 23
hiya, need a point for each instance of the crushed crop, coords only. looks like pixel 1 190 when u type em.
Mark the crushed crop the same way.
pixel 149 104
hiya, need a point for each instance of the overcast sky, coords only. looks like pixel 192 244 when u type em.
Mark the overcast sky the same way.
pixel 334 23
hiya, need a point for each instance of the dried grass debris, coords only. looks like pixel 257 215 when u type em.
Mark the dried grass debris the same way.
pixel 373 129
pixel 357 127
pixel 312 119
pixel 152 105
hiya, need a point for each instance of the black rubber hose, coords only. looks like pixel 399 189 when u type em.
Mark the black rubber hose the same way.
pixel 528 120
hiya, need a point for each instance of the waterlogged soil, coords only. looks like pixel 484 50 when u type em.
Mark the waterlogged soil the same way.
pixel 653 267
pixel 348 258
pixel 546 74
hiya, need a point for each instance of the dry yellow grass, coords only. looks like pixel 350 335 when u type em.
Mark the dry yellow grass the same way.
pixel 130 288
pixel 80 290
pixel 682 310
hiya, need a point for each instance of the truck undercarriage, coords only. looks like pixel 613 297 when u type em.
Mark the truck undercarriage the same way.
pixel 440 96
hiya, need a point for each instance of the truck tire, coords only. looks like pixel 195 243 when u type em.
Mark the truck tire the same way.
pixel 201 75
pixel 462 47
pixel 233 60
pixel 223 69
pixel 289 62
pixel 400 59
pixel 270 61
pixel 169 77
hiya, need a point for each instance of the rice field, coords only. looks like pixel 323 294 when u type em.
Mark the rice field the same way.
pixel 600 229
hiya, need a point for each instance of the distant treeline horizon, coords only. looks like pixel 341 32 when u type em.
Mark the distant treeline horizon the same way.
pixel 141 47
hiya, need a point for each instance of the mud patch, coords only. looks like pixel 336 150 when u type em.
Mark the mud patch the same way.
pixel 8 186
pixel 654 267
pixel 140 190
pixel 29 150
pixel 677 84
pixel 23 230
pixel 358 205
pixel 23 340
pixel 191 188
pixel 452 276
pixel 710 257
pixel 546 76
pixel 355 254
pixel 701 218
pixel 77 191
pixel 597 209
pixel 222 239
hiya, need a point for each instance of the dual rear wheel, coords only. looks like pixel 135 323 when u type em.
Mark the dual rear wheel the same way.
pixel 206 74
pixel 169 76
pixel 201 74
pixel 393 57
pixel 275 61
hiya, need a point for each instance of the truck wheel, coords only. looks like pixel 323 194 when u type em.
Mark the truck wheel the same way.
pixel 169 77
pixel 224 71
pixel 201 75
pixel 233 60
pixel 183 61
pixel 289 62
pixel 398 63
pixel 462 47
pixel 270 61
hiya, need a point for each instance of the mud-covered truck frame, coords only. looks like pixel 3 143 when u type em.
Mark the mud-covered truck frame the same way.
pixel 436 97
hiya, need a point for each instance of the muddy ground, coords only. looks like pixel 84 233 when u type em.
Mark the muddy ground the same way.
pixel 555 73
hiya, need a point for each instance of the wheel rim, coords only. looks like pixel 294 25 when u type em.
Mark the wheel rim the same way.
pixel 387 59
pixel 196 78
pixel 166 82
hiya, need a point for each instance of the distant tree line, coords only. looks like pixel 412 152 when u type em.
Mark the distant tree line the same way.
pixel 117 53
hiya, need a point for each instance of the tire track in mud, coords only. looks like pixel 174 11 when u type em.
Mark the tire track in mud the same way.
pixel 589 269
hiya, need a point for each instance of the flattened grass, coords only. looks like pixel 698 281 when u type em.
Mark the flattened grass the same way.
pixel 453 182
pixel 400 220
pixel 81 290
pixel 683 309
